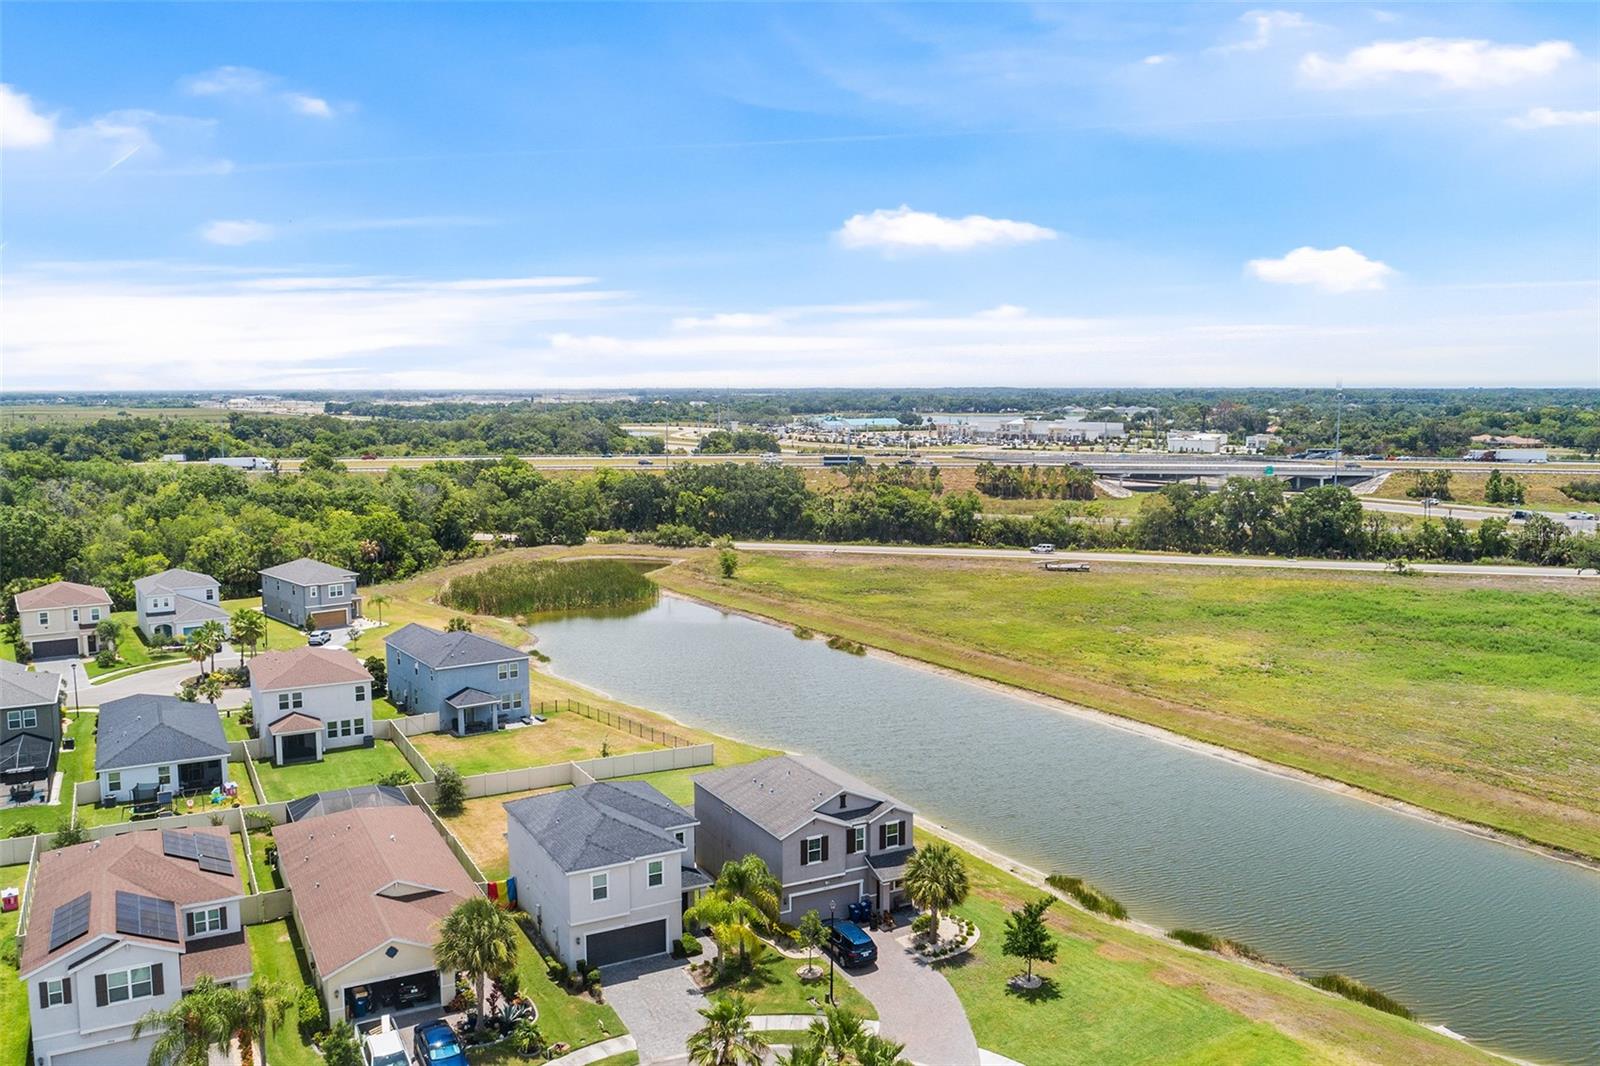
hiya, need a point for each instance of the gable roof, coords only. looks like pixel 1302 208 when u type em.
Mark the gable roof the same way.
pixel 344 799
pixel 784 792
pixel 602 824
pixel 21 687
pixel 445 650
pixel 305 666
pixel 336 865
pixel 133 862
pixel 172 580
pixel 141 730
pixel 307 572
pixel 62 594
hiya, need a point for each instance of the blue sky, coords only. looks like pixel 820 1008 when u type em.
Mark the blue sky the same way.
pixel 521 196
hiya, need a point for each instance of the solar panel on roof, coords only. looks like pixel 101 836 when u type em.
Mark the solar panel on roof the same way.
pixel 145 916
pixel 178 845
pixel 217 864
pixel 215 847
pixel 70 921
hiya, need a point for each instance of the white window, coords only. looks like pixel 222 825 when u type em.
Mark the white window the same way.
pixel 312 592
pixel 509 670
pixel 358 726
pixel 598 887
pixel 516 699
pixel 129 984
pixel 55 992
pixel 679 836
pixel 361 694
pixel 813 850
pixel 210 921
pixel 211 594
pixel 297 700
pixel 164 776
pixel 655 873
pixel 44 619
pixel 858 839
pixel 333 730
pixel 894 834
pixel 94 614
pixel 505 703
pixel 26 718
pixel 74 614
pixel 335 591
pixel 114 781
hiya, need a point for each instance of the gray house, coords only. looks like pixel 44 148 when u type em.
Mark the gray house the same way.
pixel 308 589
pixel 174 603
pixel 30 728
pixel 471 681
pixel 828 838
pixel 154 746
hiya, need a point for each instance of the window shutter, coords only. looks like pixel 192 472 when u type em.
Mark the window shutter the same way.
pixel 66 990
pixel 44 993
pixel 883 835
pixel 100 997
pixel 157 982
pixel 188 923
pixel 824 849
pixel 224 913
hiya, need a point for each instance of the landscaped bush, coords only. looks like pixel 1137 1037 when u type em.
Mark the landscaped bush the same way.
pixel 1350 988
pixel 1089 897
pixel 106 657
pixel 396 778
pixel 23 829
pixel 313 1015
pixel 450 792
pixel 687 946
pixel 922 924
pixel 542 585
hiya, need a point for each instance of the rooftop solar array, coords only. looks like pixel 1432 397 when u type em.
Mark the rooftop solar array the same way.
pixel 69 922
pixel 178 845
pixel 214 854
pixel 146 916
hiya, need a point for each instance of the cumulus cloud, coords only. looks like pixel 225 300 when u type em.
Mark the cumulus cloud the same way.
pixel 1264 26
pixel 21 125
pixel 314 106
pixel 250 82
pixel 1539 118
pixel 1341 269
pixel 1453 63
pixel 903 229
pixel 233 232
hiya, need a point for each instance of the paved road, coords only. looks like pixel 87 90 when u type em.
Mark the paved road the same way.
pixel 1249 562
pixel 1458 510
pixel 916 1005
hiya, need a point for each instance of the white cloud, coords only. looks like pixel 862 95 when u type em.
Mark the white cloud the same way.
pixel 234 232
pixel 727 320
pixel 1265 25
pixel 1155 60
pixel 1341 269
pixel 1004 311
pixel 1538 118
pixel 904 229
pixel 20 125
pixel 314 106
pixel 1455 63
pixel 228 81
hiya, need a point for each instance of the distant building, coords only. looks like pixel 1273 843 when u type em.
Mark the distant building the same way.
pixel 1257 443
pixel 1189 441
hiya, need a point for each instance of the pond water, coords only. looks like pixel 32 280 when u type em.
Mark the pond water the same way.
pixel 1498 944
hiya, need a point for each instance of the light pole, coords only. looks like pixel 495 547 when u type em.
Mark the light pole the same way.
pixel 77 707
pixel 833 908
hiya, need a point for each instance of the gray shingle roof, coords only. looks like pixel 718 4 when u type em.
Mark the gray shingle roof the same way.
pixel 471 697
pixel 141 730
pixel 172 580
pixel 781 793
pixel 345 799
pixel 187 609
pixel 307 572
pixel 21 687
pixel 442 651
pixel 601 824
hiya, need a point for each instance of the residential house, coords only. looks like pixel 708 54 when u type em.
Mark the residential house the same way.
pixel 829 839
pixel 310 590
pixel 370 886
pixel 59 618
pixel 148 747
pixel 30 729
pixel 123 926
pixel 310 700
pixel 174 603
pixel 471 681
pixel 606 869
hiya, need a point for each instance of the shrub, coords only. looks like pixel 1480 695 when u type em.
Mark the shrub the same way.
pixel 23 829
pixel 556 970
pixel 1195 939
pixel 1088 897
pixel 380 675
pixel 450 796
pixel 106 657
pixel 676 535
pixel 728 562
pixel 1350 988
pixel 1586 489
pixel 313 1015
pixel 510 984
pixel 844 645
pixel 922 924
pixel 687 946
pixel 803 633
pixel 542 585
pixel 67 835
pixel 396 778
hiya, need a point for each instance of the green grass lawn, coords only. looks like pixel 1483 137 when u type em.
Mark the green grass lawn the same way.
pixel 343 768
pixel 74 765
pixel 776 988
pixel 241 861
pixel 563 1017
pixel 13 993
pixel 275 951
pixel 266 875
pixel 92 815
pixel 1473 696
pixel 131 648
pixel 279 637
pixel 382 707
pixel 565 736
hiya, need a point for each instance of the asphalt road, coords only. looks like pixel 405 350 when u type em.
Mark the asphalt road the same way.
pixel 1250 562
pixel 1456 510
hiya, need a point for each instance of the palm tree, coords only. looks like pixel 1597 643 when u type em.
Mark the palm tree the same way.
pixel 936 879
pixel 809 1053
pixel 249 626
pixel 874 1050
pixel 750 880
pixel 252 1011
pixel 378 602
pixel 837 1032
pixel 481 939
pixel 210 687
pixel 197 651
pixel 187 1030
pixel 726 1039
pixel 211 636
pixel 733 923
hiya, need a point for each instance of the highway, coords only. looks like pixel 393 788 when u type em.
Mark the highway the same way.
pixel 1474 512
pixel 1249 562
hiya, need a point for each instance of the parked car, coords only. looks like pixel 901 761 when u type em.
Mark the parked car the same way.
pixel 1042 549
pixel 319 638
pixel 382 1046
pixel 435 1044
pixel 851 945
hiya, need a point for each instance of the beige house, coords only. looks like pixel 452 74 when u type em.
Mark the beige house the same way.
pixel 59 618
pixel 309 701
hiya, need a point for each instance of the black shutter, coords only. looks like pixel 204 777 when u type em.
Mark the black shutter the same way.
pixel 44 993
pixel 223 913
pixel 66 990
pixel 824 848
pixel 188 923
pixel 100 997
pixel 883 835
pixel 900 829
pixel 158 983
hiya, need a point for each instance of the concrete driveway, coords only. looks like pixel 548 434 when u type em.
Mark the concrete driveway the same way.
pixel 658 1002
pixel 916 1005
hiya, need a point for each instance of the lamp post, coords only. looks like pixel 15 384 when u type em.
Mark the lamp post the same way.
pixel 833 908
pixel 77 707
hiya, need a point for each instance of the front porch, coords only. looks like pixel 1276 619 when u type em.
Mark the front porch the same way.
pixel 296 738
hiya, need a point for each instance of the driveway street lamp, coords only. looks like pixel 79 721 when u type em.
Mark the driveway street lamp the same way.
pixel 76 706
pixel 832 912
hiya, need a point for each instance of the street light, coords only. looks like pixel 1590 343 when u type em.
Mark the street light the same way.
pixel 77 708
pixel 833 908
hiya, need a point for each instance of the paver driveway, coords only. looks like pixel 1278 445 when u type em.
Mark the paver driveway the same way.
pixel 658 1002
pixel 916 1005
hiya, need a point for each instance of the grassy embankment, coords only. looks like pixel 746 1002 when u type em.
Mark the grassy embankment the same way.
pixel 1474 697
pixel 1542 487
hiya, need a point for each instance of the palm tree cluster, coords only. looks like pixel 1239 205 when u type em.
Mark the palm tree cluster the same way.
pixel 482 940
pixel 249 629
pixel 204 643
pixel 215 1016
pixel 936 879
pixel 738 908
pixel 838 1038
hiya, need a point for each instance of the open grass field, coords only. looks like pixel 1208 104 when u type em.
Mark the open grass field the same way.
pixel 1117 996
pixel 1469 696
pixel 343 768
pixel 565 1018
pixel 1543 487
pixel 275 951
pixel 267 877
pixel 16 417
pixel 13 993
pixel 563 737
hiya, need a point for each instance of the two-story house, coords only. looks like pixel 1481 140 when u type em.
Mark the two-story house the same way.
pixel 306 589
pixel 30 729
pixel 471 681
pixel 309 701
pixel 370 886
pixel 605 869
pixel 59 618
pixel 150 747
pixel 123 926
pixel 828 838
pixel 174 603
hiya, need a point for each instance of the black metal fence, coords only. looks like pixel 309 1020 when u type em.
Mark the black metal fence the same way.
pixel 626 723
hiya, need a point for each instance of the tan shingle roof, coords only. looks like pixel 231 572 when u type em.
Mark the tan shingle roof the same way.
pixel 62 594
pixel 337 864
pixel 305 666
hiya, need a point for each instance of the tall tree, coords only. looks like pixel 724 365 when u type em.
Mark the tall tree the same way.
pixel 187 1031
pixel 727 1037
pixel 249 626
pixel 1027 937
pixel 252 1011
pixel 936 879
pixel 481 939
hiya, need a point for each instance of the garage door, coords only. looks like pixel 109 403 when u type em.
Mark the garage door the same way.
pixel 118 1053
pixel 618 945
pixel 329 618
pixel 839 896
pixel 45 648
